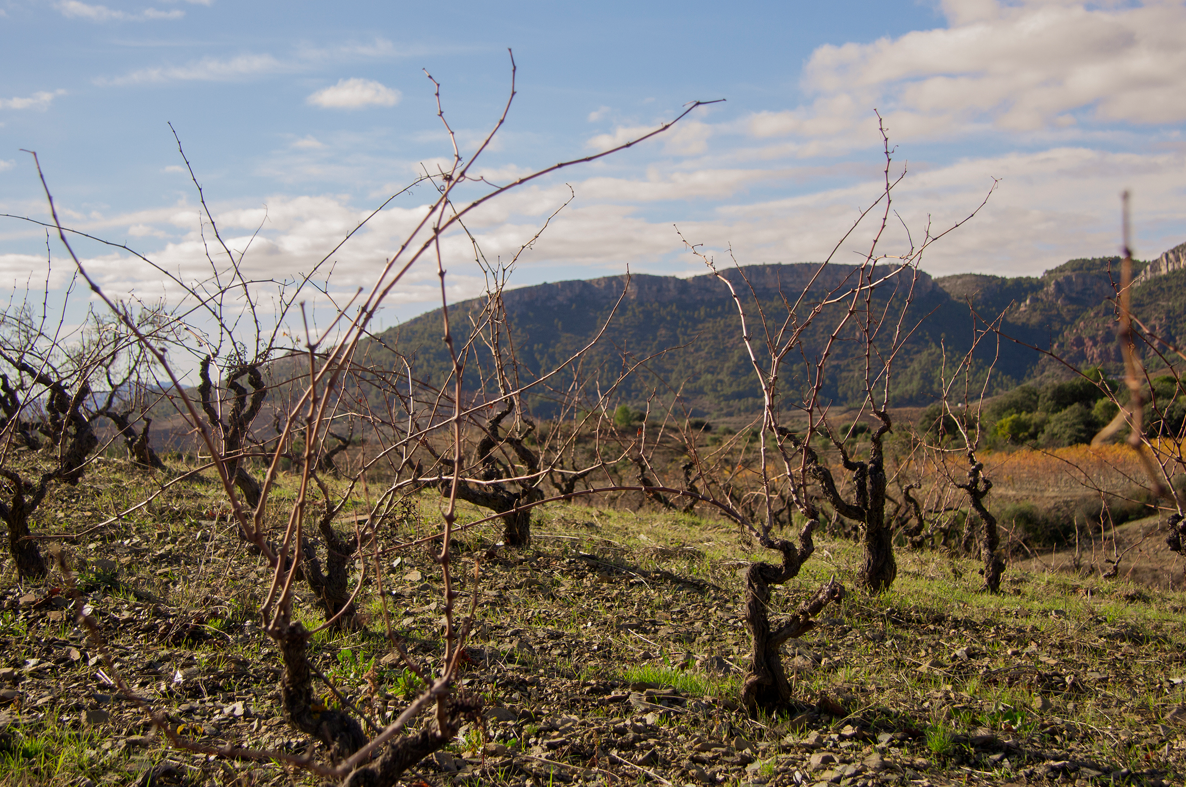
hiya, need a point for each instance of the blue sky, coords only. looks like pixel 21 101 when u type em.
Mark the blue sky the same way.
pixel 301 117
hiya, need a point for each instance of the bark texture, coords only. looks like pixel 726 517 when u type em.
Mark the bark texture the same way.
pixel 235 429
pixel 510 498
pixel 73 441
pixel 405 752
pixel 340 733
pixel 30 565
pixel 866 507
pixel 332 586
pixel 978 486
pixel 766 688
pixel 1176 540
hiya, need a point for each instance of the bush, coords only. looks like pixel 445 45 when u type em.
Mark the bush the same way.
pixel 939 424
pixel 1104 411
pixel 1023 399
pixel 858 428
pixel 1059 396
pixel 1020 428
pixel 1094 514
pixel 1071 426
pixel 624 416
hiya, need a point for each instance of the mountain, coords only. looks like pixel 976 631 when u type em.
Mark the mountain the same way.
pixel 683 336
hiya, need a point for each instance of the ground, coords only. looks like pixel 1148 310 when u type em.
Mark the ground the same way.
pixel 611 650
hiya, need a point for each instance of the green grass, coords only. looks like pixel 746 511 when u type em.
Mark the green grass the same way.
pixel 940 739
pixel 654 577
pixel 52 753
pixel 682 680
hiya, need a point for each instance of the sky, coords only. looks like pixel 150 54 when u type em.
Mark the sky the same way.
pixel 300 118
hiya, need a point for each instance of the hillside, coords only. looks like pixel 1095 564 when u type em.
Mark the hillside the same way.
pixel 610 652
pixel 684 336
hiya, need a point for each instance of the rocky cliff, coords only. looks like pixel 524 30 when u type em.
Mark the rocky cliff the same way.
pixel 1169 261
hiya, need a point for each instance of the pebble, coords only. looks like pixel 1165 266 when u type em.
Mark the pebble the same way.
pixel 97 716
pixel 874 762
pixel 820 759
pixel 501 714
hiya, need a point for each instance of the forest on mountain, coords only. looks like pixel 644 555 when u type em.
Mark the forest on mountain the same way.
pixel 668 338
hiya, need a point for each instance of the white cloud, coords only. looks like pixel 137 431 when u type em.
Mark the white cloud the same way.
pixel 695 184
pixel 688 138
pixel 308 143
pixel 144 231
pixel 502 175
pixel 1035 65
pixel 620 136
pixel 39 100
pixel 379 48
pixel 73 9
pixel 207 69
pixel 1051 205
pixel 6 165
pixel 355 94
pixel 244 66
pixel 598 114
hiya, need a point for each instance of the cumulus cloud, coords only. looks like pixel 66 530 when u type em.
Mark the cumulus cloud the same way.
pixel 1031 66
pixel 694 184
pixel 74 9
pixel 355 93
pixel 6 165
pixel 1051 205
pixel 39 100
pixel 308 142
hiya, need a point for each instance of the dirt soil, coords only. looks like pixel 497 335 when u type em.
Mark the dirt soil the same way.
pixel 604 663
pixel 1135 551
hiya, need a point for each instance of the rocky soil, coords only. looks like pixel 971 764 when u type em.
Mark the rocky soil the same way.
pixel 605 656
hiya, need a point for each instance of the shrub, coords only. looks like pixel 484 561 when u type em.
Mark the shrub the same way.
pixel 624 416
pixel 1020 428
pixel 1071 426
pixel 1094 514
pixel 1023 399
pixel 1060 396
pixel 1104 411
pixel 939 424
pixel 858 428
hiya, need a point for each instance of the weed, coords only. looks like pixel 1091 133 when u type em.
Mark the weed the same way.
pixel 407 685
pixel 940 739
pixel 683 681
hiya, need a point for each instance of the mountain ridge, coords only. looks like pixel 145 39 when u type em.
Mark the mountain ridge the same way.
pixel 684 334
